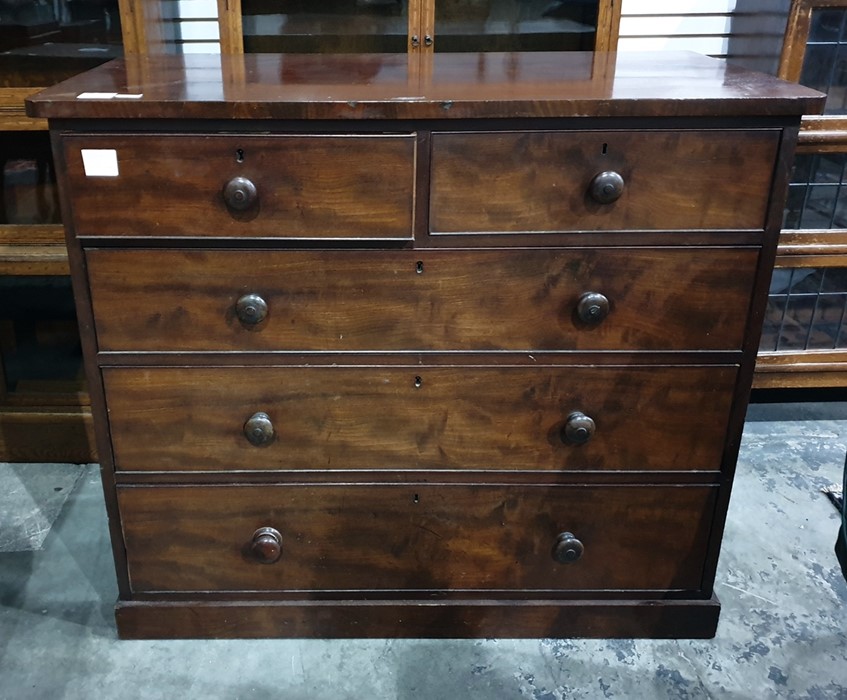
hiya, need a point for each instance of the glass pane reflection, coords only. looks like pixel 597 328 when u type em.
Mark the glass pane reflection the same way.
pixel 817 196
pixel 331 26
pixel 515 25
pixel 825 62
pixel 42 43
pixel 807 310
pixel 39 339
pixel 28 193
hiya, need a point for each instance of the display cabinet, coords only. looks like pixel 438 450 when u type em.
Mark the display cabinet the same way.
pixel 417 27
pixel 44 407
pixel 804 340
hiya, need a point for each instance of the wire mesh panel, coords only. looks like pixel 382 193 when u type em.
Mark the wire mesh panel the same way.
pixel 806 310
pixel 817 197
pixel 807 304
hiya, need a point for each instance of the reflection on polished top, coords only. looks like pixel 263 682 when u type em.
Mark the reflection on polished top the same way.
pixel 389 86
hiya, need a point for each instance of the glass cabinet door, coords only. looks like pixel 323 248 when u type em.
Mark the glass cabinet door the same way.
pixel 824 61
pixel 329 26
pixel 42 43
pixel 515 25
pixel 422 26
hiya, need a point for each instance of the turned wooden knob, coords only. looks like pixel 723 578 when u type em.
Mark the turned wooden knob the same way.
pixel 251 309
pixel 259 430
pixel 578 428
pixel 592 307
pixel 266 546
pixel 567 549
pixel 240 194
pixel 606 187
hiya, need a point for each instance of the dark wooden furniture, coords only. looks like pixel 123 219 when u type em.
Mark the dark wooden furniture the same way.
pixel 375 352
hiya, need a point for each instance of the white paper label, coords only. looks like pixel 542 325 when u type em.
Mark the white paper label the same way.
pixel 100 162
pixel 110 96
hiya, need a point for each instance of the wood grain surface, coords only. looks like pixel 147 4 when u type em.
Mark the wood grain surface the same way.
pixel 501 418
pixel 447 86
pixel 539 181
pixel 418 617
pixel 308 186
pixel 184 300
pixel 416 536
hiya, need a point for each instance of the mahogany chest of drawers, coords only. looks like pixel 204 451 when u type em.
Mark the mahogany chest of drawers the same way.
pixel 455 354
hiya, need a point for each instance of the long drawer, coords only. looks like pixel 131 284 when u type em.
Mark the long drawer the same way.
pixel 415 536
pixel 542 181
pixel 561 418
pixel 303 186
pixel 526 299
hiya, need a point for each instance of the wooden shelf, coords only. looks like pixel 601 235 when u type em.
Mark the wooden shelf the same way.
pixel 33 250
pixel 806 369
pixel 47 434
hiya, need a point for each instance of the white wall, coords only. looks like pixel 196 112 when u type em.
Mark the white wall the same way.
pixel 682 25
pixel 199 25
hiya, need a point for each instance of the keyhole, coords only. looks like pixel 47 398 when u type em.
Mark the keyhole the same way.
pixel 418 382
pixel 605 148
pixel 419 267
pixel 239 156
pixel 416 499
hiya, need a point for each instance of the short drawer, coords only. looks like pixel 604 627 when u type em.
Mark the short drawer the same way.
pixel 308 186
pixel 416 536
pixel 531 182
pixel 526 299
pixel 499 418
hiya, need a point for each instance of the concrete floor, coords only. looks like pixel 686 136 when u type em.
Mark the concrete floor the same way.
pixel 783 629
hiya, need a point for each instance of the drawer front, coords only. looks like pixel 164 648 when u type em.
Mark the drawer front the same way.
pixel 521 182
pixel 337 301
pixel 305 186
pixel 380 537
pixel 418 418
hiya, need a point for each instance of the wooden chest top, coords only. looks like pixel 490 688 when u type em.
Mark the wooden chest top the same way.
pixel 452 86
